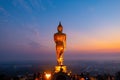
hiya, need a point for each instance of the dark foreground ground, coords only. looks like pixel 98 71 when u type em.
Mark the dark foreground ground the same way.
pixel 93 68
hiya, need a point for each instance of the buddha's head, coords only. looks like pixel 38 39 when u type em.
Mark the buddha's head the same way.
pixel 60 28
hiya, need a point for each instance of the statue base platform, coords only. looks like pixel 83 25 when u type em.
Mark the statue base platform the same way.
pixel 61 76
pixel 60 68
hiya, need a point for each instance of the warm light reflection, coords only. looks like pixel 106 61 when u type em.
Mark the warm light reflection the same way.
pixel 47 76
pixel 36 79
pixel 82 79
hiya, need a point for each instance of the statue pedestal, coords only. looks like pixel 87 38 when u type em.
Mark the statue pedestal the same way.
pixel 59 68
pixel 61 76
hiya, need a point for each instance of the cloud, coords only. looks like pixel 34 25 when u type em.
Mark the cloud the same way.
pixel 30 5
pixel 37 4
pixel 34 37
pixel 1 8
pixel 36 45
pixel 33 5
pixel 91 9
pixel 25 5
pixel 51 4
pixel 34 32
pixel 2 21
pixel 4 12
pixel 32 29
pixel 4 15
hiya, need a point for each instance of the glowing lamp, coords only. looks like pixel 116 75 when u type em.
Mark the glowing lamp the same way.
pixel 47 75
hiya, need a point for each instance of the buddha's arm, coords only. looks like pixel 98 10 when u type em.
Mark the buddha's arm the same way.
pixel 65 42
pixel 54 38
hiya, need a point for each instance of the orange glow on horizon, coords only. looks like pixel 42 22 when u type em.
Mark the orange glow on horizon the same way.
pixel 100 47
pixel 94 45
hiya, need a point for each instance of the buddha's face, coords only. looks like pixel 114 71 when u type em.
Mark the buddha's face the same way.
pixel 60 28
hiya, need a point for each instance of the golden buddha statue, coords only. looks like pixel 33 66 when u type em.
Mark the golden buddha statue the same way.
pixel 60 40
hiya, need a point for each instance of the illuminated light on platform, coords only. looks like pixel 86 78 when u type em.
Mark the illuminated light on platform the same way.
pixel 82 79
pixel 58 68
pixel 36 79
pixel 69 73
pixel 47 76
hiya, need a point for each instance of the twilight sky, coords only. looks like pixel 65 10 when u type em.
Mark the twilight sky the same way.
pixel 27 28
